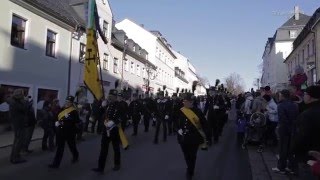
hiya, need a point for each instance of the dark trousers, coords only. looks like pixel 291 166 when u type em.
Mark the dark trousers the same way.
pixel 80 129
pixel 135 121
pixel 105 141
pixel 62 138
pixel 214 130
pixel 28 137
pixel 164 125
pixel 124 123
pixel 48 135
pixel 285 156
pixel 19 134
pixel 190 156
pixel 146 121
pixel 271 132
pixel 170 126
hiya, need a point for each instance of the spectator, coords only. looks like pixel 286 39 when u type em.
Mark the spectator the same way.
pixel 18 113
pixel 47 123
pixel 287 112
pixel 30 125
pixel 272 116
pixel 307 133
pixel 315 165
pixel 259 103
pixel 247 106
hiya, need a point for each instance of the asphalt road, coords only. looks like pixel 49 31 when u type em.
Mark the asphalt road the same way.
pixel 143 161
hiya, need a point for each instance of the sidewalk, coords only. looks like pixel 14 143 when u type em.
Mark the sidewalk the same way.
pixel 262 163
pixel 6 138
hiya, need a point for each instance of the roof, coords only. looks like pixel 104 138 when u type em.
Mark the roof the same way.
pixel 307 29
pixel 303 19
pixel 59 9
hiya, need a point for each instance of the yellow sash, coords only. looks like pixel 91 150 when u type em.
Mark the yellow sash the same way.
pixel 194 119
pixel 64 112
pixel 123 138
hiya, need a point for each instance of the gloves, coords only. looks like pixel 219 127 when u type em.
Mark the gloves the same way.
pixel 91 119
pixel 180 132
pixel 108 124
pixel 57 124
pixel 166 117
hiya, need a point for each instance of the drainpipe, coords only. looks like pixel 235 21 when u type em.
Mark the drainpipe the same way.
pixel 315 49
pixel 69 66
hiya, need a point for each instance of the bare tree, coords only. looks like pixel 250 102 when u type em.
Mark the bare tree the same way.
pixel 234 83
pixel 203 81
pixel 152 73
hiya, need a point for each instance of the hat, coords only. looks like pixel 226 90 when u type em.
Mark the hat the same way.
pixel 267 88
pixel 113 92
pixel 160 93
pixel 70 99
pixel 120 94
pixel 212 88
pixel 188 96
pixel 174 95
pixel 313 91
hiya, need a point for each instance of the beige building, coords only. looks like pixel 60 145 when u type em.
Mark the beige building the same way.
pixel 306 48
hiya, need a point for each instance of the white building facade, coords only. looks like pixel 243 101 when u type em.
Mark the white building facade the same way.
pixel 306 49
pixel 35 48
pixel 159 53
pixel 277 49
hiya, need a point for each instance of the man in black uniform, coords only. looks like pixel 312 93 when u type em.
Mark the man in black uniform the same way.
pixel 192 132
pixel 135 111
pixel 149 108
pixel 110 133
pixel 211 116
pixel 66 131
pixel 175 110
pixel 123 108
pixel 162 114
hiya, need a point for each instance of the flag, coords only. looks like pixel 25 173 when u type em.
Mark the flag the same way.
pixel 91 74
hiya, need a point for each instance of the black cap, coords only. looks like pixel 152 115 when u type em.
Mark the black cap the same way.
pixel 161 93
pixel 113 92
pixel 188 96
pixel 70 99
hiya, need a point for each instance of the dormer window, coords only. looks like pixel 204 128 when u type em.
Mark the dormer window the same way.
pixel 293 34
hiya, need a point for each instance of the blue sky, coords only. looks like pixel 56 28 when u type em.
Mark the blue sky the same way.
pixel 219 37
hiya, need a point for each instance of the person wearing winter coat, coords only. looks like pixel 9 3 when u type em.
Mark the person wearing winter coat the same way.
pixel 307 129
pixel 18 111
pixel 272 114
pixel 48 125
pixel 288 112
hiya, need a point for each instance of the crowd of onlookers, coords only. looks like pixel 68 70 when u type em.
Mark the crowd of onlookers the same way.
pixel 288 120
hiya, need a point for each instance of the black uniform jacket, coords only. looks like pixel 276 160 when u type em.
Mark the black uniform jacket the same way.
pixel 190 134
pixel 69 121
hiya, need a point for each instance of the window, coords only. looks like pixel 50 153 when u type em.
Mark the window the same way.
pixel 82 53
pixel 18 28
pixel 105 61
pixel 104 1
pixel 132 67
pixel 143 72
pixel 115 65
pixel 126 65
pixel 51 43
pixel 293 34
pixel 312 49
pixel 138 70
pixel 105 29
pixel 157 52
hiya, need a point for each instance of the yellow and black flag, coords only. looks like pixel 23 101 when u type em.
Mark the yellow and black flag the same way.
pixel 91 73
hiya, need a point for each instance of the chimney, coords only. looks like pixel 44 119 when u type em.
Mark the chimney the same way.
pixel 296 13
